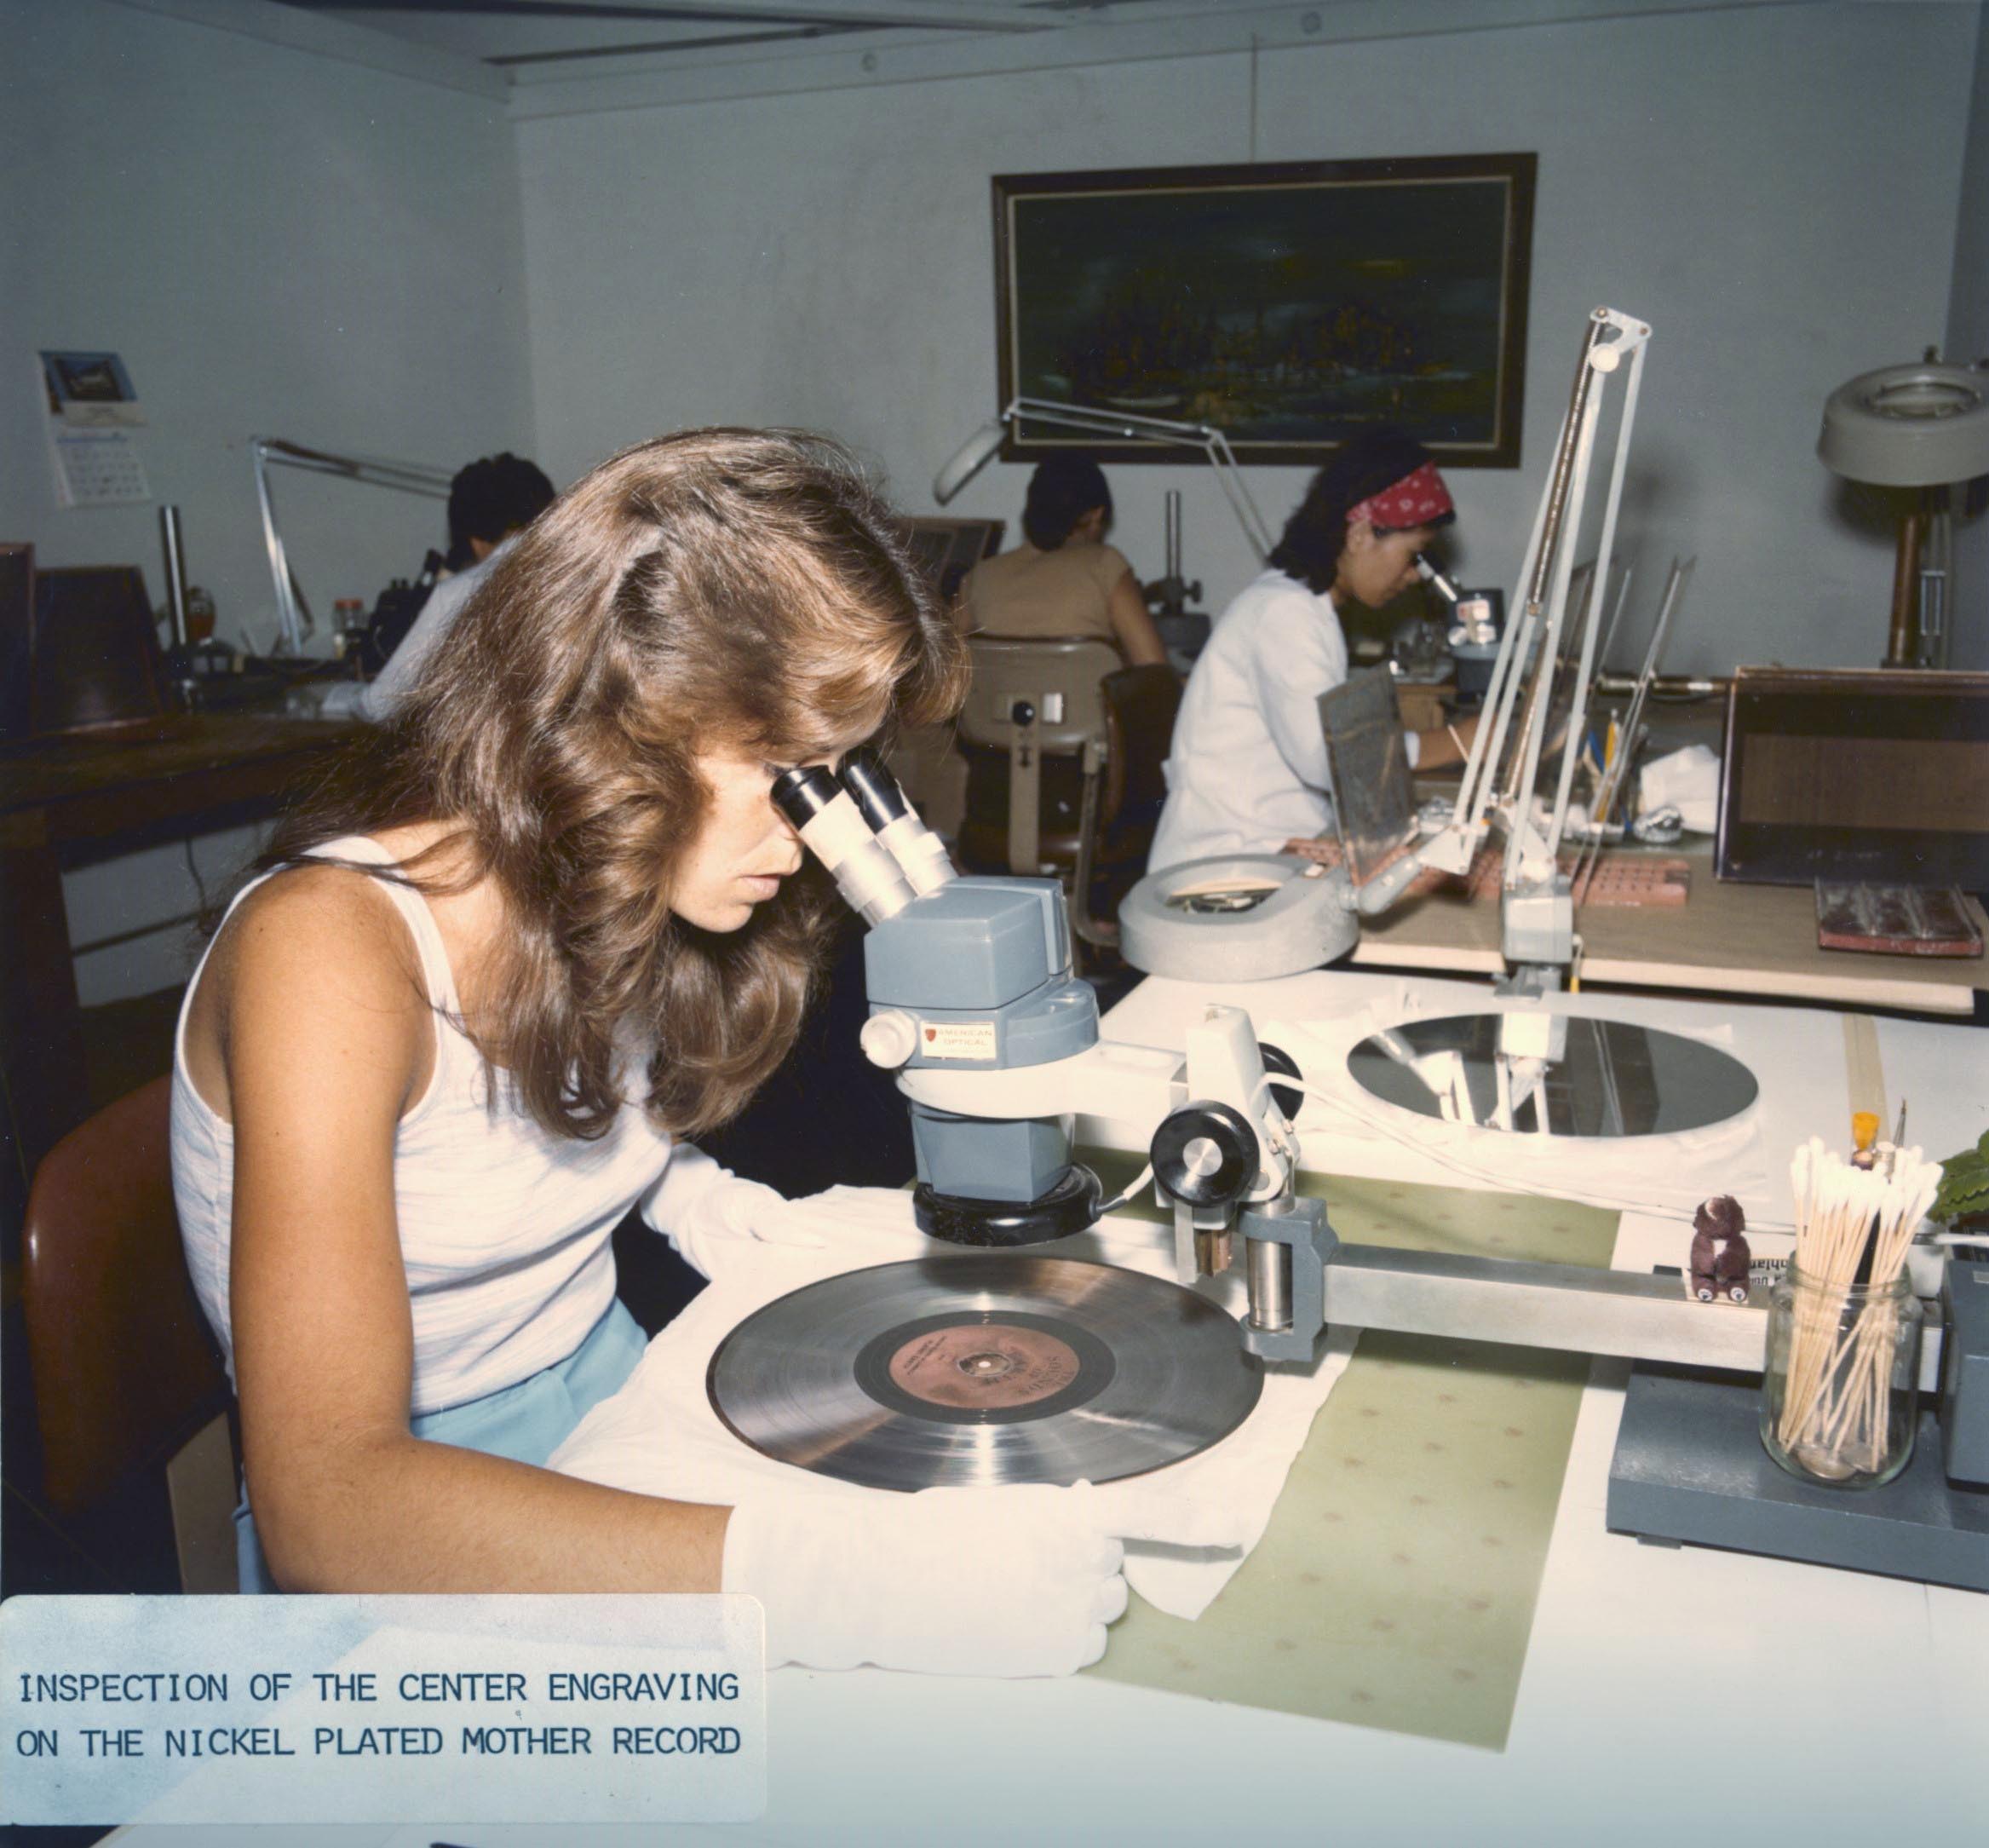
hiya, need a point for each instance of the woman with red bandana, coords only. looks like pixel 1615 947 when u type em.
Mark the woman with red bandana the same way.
pixel 1247 771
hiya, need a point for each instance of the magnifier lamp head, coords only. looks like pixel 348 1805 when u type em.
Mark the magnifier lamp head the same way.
pixel 1908 426
pixel 967 461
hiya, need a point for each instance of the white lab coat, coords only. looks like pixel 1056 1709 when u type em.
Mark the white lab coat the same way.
pixel 1247 771
pixel 378 699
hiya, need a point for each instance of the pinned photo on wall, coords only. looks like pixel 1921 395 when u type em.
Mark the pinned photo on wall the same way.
pixel 92 407
pixel 90 390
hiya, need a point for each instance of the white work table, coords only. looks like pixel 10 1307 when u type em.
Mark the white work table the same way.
pixel 1669 1695
pixel 1727 938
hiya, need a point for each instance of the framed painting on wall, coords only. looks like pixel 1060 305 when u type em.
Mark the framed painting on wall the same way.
pixel 1288 306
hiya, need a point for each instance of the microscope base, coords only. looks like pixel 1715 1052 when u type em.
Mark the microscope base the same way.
pixel 1067 1209
pixel 1689 1465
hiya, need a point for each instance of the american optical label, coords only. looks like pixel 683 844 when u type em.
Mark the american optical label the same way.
pixel 388 1709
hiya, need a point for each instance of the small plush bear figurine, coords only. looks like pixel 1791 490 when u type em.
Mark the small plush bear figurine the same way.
pixel 1720 1256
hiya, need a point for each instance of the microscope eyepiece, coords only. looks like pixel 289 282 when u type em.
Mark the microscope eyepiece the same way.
pixel 873 789
pixel 921 854
pixel 821 812
pixel 802 794
pixel 1428 571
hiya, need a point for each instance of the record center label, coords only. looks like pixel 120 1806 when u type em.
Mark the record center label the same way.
pixel 983 1364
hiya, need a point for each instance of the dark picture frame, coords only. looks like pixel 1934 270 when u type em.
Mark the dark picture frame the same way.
pixel 1287 305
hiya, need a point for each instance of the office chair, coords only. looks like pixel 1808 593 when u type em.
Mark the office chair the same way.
pixel 128 1382
pixel 1065 748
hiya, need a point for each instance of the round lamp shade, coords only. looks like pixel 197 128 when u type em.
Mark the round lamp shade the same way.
pixel 967 461
pixel 1908 426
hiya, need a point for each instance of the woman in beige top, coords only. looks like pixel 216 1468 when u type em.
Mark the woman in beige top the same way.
pixel 1064 580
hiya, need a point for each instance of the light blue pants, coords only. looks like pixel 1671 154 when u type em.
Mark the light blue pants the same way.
pixel 525 1422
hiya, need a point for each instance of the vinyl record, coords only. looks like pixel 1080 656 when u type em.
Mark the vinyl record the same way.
pixel 978 1369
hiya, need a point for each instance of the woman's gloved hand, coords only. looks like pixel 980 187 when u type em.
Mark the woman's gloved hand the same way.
pixel 701 1207
pixel 1014 1580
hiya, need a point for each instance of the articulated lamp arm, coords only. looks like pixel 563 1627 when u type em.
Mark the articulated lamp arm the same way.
pixel 978 450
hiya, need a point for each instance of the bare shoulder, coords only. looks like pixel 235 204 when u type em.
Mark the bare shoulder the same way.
pixel 317 960
pixel 338 923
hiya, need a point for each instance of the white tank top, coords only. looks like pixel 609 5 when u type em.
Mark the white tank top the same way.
pixel 503 1227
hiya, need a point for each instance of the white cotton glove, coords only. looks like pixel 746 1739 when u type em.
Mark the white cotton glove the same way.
pixel 701 1207
pixel 1014 1580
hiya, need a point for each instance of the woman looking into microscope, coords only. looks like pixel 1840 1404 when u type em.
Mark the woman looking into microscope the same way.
pixel 518 945
pixel 1247 770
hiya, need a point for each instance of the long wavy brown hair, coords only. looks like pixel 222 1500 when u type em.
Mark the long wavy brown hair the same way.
pixel 718 588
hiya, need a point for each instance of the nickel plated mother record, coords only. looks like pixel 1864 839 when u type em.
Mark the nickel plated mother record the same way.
pixel 1559 1074
pixel 976 1370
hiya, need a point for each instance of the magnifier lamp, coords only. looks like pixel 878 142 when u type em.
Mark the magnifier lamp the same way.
pixel 973 455
pixel 1923 426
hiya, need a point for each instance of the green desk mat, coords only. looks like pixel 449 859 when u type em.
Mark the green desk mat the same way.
pixel 1395 1586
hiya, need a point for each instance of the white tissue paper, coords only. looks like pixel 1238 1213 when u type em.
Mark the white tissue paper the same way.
pixel 1687 781
pixel 660 1435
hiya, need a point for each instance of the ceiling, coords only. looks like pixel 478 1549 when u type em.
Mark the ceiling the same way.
pixel 575 37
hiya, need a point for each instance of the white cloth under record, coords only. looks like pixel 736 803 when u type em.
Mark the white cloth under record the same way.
pixel 660 1435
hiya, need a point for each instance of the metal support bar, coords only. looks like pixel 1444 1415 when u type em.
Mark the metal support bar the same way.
pixel 1289 1249
pixel 1568 1306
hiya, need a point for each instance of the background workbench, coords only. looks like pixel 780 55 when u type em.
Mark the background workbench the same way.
pixel 71 801
pixel 1727 938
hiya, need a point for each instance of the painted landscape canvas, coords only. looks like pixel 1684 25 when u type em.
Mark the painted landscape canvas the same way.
pixel 1289 306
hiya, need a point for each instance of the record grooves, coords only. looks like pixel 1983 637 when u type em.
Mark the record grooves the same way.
pixel 980 1368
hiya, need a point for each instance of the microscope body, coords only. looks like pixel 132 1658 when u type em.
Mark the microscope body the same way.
pixel 976 977
pixel 974 1004
pixel 998 1050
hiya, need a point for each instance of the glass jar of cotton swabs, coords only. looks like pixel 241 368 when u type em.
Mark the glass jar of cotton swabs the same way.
pixel 1838 1403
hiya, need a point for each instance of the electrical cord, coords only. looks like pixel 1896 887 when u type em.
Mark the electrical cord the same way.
pixel 1134 1189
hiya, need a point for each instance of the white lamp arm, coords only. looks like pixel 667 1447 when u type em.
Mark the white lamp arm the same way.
pixel 293 620
pixel 979 449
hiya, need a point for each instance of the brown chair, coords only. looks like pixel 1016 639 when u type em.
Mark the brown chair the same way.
pixel 128 1381
pixel 1032 730
pixel 1065 750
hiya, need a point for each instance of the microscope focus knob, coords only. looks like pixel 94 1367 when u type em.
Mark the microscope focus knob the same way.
pixel 888 1039
pixel 1206 1153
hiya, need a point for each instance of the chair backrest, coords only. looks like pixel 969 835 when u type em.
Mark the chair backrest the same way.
pixel 1031 700
pixel 1116 832
pixel 124 1368
pixel 1057 678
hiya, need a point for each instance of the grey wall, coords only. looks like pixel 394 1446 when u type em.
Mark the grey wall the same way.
pixel 278 243
pixel 281 239
pixel 1967 342
pixel 1775 190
